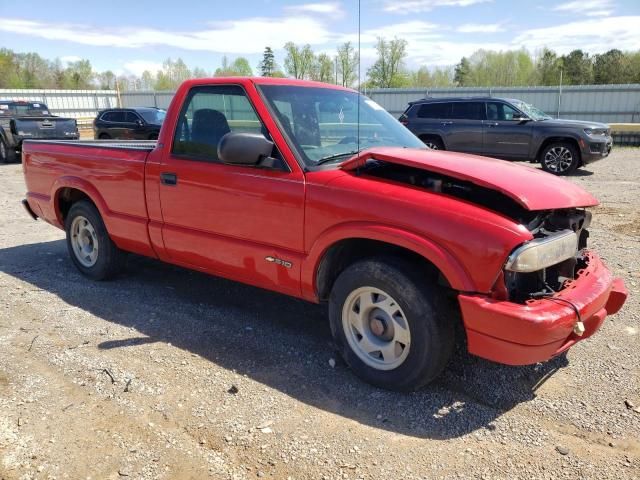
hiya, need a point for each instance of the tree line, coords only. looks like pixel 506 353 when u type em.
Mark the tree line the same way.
pixel 389 70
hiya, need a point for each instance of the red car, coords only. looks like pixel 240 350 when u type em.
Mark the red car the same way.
pixel 316 192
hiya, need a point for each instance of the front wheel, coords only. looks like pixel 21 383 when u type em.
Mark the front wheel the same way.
pixel 390 324
pixel 432 142
pixel 560 158
pixel 90 247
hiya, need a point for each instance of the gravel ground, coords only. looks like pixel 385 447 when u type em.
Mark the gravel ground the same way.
pixel 167 373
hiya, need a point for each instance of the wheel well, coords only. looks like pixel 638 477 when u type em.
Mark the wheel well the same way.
pixel 551 140
pixel 427 136
pixel 67 197
pixel 346 252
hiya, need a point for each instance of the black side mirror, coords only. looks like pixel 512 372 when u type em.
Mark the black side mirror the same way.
pixel 248 149
pixel 519 117
pixel 139 122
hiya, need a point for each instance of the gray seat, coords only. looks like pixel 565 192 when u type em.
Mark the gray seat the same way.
pixel 208 127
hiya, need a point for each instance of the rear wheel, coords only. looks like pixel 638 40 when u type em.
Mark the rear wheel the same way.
pixel 91 249
pixel 432 142
pixel 153 136
pixel 7 155
pixel 390 323
pixel 104 136
pixel 560 158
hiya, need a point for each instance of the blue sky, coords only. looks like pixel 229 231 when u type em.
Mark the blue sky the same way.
pixel 131 36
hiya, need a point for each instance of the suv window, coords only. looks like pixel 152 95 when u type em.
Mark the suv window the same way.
pixel 467 110
pixel 207 115
pixel 434 110
pixel 500 111
pixel 113 117
pixel 131 117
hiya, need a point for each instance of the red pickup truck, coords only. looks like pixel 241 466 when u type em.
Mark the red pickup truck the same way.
pixel 314 191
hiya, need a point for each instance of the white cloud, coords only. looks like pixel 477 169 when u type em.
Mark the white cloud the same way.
pixel 136 67
pixel 414 6
pixel 593 36
pixel 70 58
pixel 235 37
pixel 480 28
pixel 333 9
pixel 591 8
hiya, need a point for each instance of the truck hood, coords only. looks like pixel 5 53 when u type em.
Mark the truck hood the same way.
pixel 533 189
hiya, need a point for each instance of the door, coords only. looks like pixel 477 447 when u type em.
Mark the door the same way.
pixel 241 222
pixel 114 124
pixel 464 127
pixel 505 135
pixel 136 128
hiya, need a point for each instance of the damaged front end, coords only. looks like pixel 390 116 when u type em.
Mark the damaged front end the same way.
pixel 556 254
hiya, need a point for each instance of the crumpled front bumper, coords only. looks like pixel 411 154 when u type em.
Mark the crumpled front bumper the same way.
pixel 521 334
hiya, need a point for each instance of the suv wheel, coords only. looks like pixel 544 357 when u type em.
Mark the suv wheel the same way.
pixel 390 324
pixel 7 155
pixel 560 158
pixel 104 136
pixel 434 143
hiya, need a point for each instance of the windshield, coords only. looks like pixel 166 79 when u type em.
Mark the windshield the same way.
pixel 24 109
pixel 154 117
pixel 533 112
pixel 322 123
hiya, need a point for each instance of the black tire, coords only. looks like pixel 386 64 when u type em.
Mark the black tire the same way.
pixel 104 136
pixel 153 136
pixel 109 258
pixel 7 155
pixel 433 142
pixel 422 304
pixel 560 158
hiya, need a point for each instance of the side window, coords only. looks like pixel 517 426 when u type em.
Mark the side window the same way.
pixel 116 117
pixel 208 114
pixel 467 110
pixel 434 110
pixel 500 111
pixel 107 117
pixel 131 117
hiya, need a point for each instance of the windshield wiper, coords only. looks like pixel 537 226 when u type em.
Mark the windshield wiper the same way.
pixel 337 155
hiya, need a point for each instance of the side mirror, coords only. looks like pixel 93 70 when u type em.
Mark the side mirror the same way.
pixel 244 149
pixel 519 117
pixel 140 123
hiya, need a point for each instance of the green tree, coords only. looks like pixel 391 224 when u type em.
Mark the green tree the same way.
pixel 462 75
pixel 348 60
pixel 388 70
pixel 299 60
pixel 323 70
pixel 577 68
pixel 238 68
pixel 548 68
pixel 267 66
pixel 611 67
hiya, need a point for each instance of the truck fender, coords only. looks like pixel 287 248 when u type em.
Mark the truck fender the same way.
pixel 449 266
pixel 85 187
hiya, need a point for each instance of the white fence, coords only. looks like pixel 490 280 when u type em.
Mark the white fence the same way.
pixel 605 103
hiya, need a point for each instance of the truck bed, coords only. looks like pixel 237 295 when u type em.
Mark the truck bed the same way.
pixel 111 172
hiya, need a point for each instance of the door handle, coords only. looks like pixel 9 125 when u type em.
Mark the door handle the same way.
pixel 167 178
pixel 493 124
pixel 447 123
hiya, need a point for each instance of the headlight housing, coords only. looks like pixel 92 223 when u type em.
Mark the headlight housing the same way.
pixel 543 252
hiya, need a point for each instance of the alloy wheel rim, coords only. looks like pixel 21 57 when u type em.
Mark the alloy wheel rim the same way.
pixel 376 328
pixel 431 145
pixel 3 151
pixel 558 159
pixel 84 241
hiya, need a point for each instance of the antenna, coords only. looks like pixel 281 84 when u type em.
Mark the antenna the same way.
pixel 359 79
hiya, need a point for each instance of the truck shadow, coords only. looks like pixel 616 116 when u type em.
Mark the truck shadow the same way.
pixel 276 340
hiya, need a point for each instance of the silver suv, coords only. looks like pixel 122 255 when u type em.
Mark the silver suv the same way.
pixel 509 129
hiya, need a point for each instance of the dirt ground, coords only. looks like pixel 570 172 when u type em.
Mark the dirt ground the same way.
pixel 170 374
